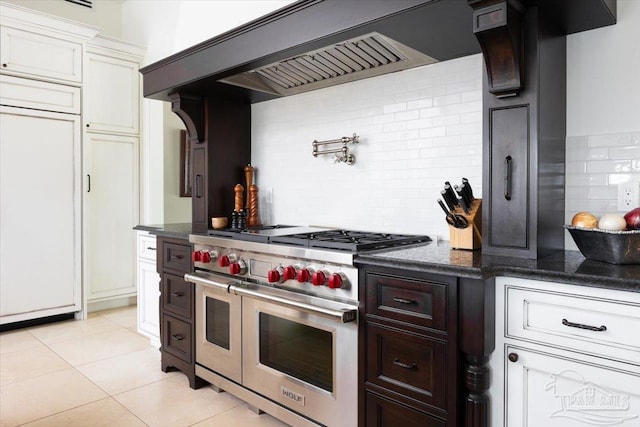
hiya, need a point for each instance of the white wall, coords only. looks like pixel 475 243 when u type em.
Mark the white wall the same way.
pixel 417 128
pixel 166 27
pixel 106 14
pixel 603 114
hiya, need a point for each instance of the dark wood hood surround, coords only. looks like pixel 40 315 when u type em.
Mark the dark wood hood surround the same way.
pixel 525 66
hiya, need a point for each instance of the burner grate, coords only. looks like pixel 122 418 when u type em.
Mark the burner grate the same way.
pixel 353 241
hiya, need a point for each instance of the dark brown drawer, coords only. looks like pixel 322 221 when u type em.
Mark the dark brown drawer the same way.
pixel 409 364
pixel 176 338
pixel 176 257
pixel 177 295
pixel 381 412
pixel 418 302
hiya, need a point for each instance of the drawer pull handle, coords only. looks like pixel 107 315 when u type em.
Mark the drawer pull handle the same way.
pixel 149 248
pixel 513 357
pixel 602 328
pixel 404 301
pixel 177 337
pixel 404 365
pixel 177 256
pixel 177 294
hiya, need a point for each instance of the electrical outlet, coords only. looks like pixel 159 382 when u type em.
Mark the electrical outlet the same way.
pixel 628 195
pixel 269 196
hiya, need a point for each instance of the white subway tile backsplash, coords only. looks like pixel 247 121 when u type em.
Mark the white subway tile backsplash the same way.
pixel 610 140
pixel 595 165
pixel 630 152
pixel 402 159
pixel 615 166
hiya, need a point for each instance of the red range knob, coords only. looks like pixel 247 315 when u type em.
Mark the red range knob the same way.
pixel 206 256
pixel 318 278
pixel 223 261
pixel 335 281
pixel 303 275
pixel 289 273
pixel 273 276
pixel 235 268
pixel 196 256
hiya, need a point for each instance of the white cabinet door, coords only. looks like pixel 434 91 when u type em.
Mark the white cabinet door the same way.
pixel 552 391
pixel 40 211
pixel 112 95
pixel 36 55
pixel 111 212
pixel 148 300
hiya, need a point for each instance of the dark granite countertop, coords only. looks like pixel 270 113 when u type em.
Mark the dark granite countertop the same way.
pixel 565 266
pixel 178 230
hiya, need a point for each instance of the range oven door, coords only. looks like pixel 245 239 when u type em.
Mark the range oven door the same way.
pixel 218 326
pixel 304 361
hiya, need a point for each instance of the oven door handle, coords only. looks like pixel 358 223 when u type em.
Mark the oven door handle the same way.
pixel 343 315
pixel 207 281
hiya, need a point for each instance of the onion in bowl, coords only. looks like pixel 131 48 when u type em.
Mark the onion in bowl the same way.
pixel 612 222
pixel 584 220
pixel 632 219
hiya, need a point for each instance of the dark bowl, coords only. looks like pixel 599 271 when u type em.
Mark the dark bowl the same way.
pixel 614 247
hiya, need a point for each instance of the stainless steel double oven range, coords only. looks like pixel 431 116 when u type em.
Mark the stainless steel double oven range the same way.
pixel 276 318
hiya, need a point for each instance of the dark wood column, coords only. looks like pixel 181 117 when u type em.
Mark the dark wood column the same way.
pixel 476 312
pixel 220 136
pixel 524 115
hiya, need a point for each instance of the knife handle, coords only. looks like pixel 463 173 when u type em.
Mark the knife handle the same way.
pixel 469 190
pixel 444 208
pixel 447 200
pixel 453 199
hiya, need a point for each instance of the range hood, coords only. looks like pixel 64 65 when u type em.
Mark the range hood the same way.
pixel 285 52
pixel 358 58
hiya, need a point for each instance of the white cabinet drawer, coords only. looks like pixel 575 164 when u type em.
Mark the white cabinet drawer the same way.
pixel 36 55
pixel 147 247
pixel 27 93
pixel 575 322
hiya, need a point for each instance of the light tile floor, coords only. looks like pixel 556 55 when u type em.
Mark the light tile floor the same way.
pixel 101 372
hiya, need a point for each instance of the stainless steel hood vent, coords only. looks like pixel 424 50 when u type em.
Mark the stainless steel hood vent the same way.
pixel 366 56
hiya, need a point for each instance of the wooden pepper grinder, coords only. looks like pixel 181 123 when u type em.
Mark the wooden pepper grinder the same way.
pixel 239 195
pixel 248 174
pixel 253 220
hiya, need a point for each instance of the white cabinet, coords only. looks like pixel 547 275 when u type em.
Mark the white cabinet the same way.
pixel 546 389
pixel 40 211
pixel 27 93
pixel 566 355
pixel 148 288
pixel 40 56
pixel 112 101
pixel 40 46
pixel 40 164
pixel 111 211
pixel 111 114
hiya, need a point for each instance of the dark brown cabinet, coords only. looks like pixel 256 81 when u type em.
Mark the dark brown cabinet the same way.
pixel 219 132
pixel 523 132
pixel 177 321
pixel 408 349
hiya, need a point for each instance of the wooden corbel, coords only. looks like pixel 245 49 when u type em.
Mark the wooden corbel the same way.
pixel 498 28
pixel 190 109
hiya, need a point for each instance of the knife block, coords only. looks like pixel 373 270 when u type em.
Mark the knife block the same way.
pixel 470 237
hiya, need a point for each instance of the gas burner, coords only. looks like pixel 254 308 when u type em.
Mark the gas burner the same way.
pixel 346 240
